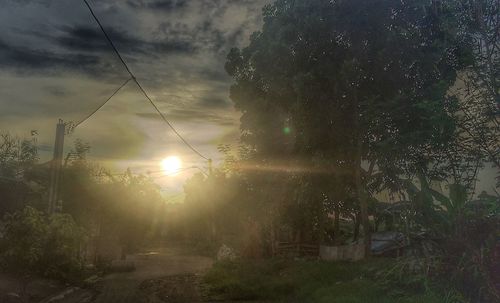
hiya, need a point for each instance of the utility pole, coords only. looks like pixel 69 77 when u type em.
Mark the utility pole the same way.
pixel 55 167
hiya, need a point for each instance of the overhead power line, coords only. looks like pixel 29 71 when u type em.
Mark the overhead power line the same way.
pixel 168 123
pixel 173 173
pixel 140 86
pixel 176 172
pixel 104 103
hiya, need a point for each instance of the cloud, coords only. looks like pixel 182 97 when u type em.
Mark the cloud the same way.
pixel 25 2
pixel 158 5
pixel 57 91
pixel 55 63
pixel 206 28
pixel 214 102
pixel 91 39
pixel 26 59
pixel 206 34
pixel 194 115
pixel 118 142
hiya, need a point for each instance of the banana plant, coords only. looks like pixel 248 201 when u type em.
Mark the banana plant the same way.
pixel 455 202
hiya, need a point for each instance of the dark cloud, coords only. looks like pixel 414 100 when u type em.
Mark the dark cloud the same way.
pixel 25 2
pixel 86 38
pixel 205 34
pixel 27 60
pixel 193 115
pixel 159 5
pixel 85 50
pixel 91 39
pixel 81 48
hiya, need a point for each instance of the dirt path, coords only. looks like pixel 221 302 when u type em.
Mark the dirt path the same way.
pixel 132 287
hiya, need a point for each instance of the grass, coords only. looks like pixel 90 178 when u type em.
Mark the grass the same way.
pixel 306 282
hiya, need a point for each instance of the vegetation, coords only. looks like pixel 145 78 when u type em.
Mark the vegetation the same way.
pixel 98 211
pixel 309 281
pixel 17 158
pixel 124 207
pixel 343 101
pixel 358 116
pixel 34 244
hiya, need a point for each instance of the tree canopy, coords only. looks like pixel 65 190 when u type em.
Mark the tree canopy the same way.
pixel 352 87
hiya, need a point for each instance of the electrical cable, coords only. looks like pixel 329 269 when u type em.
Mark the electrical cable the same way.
pixel 104 103
pixel 177 171
pixel 140 86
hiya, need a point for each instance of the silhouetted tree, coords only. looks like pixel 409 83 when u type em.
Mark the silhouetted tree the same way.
pixel 349 87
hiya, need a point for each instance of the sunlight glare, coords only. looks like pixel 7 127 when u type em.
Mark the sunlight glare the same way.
pixel 171 165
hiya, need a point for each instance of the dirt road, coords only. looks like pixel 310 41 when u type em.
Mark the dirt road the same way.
pixel 136 286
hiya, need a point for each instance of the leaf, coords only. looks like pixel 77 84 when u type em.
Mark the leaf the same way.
pixel 458 195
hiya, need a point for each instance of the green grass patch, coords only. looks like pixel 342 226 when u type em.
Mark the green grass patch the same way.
pixel 306 282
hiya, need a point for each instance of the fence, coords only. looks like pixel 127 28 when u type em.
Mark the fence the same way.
pixel 291 249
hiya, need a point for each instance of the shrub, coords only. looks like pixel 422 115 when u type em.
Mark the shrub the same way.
pixel 36 244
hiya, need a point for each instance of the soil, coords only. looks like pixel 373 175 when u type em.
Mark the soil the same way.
pixel 164 275
pixel 159 275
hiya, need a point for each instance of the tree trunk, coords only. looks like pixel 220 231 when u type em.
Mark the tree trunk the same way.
pixel 360 191
pixel 363 205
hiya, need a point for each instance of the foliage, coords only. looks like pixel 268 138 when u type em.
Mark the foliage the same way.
pixel 17 160
pixel 452 241
pixel 16 155
pixel 211 214
pixel 247 280
pixel 124 207
pixel 476 112
pixel 374 96
pixel 361 101
pixel 35 244
pixel 306 281
pixel 384 76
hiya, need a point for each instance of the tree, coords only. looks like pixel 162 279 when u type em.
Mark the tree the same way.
pixel 16 155
pixel 477 89
pixel 34 244
pixel 17 160
pixel 349 87
pixel 122 208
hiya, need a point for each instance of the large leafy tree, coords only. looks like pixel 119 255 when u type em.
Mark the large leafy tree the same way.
pixel 349 87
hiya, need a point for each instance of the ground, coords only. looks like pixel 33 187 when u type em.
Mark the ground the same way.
pixel 174 275
pixel 168 267
pixel 170 275
pixel 37 288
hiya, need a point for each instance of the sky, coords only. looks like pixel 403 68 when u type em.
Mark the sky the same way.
pixel 56 64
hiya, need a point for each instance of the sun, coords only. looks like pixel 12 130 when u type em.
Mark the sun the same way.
pixel 171 165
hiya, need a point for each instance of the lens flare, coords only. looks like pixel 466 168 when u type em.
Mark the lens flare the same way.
pixel 171 165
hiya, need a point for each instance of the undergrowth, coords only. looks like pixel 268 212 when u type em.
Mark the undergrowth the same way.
pixel 311 282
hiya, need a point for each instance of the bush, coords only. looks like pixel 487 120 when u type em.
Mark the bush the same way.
pixel 248 280
pixel 306 281
pixel 36 244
